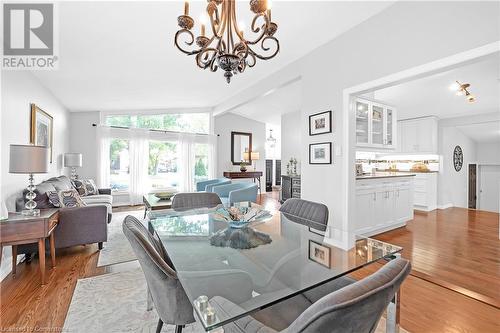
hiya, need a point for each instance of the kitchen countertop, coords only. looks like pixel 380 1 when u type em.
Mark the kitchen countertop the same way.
pixel 385 175
pixel 408 171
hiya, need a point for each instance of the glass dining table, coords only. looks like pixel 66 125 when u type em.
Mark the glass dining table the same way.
pixel 261 264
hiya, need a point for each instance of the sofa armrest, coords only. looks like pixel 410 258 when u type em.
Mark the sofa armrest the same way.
pixel 81 225
pixel 105 191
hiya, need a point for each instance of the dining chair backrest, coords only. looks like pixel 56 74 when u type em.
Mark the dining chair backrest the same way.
pixel 168 296
pixel 356 307
pixel 312 214
pixel 185 201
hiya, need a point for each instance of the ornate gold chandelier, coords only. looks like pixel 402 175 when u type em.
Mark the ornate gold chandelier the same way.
pixel 227 48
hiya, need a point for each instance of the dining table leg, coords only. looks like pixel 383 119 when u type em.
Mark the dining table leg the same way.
pixel 393 311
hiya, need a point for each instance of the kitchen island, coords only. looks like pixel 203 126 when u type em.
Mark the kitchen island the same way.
pixel 384 201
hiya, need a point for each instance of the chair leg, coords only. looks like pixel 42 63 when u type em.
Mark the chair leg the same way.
pixel 160 325
pixel 99 245
pixel 178 328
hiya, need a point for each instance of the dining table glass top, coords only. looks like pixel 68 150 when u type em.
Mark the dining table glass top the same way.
pixel 263 263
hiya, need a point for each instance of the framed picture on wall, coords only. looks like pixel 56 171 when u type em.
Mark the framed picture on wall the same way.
pixel 319 253
pixel 320 153
pixel 320 123
pixel 41 129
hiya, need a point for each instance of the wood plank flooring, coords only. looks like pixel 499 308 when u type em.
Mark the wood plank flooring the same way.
pixel 426 307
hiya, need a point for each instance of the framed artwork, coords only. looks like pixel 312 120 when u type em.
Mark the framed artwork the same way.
pixel 320 153
pixel 41 131
pixel 320 123
pixel 319 253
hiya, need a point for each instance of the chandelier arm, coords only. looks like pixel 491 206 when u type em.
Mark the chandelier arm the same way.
pixel 190 34
pixel 235 25
pixel 265 48
pixel 250 59
pixel 257 29
pixel 205 52
pixel 215 22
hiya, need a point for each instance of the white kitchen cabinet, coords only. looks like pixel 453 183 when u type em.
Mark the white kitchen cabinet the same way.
pixel 383 204
pixel 425 193
pixel 375 124
pixel 419 135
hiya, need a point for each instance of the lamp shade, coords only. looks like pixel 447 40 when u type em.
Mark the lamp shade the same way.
pixel 73 160
pixel 28 159
pixel 254 156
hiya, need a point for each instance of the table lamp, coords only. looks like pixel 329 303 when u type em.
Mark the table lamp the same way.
pixel 254 156
pixel 73 161
pixel 29 159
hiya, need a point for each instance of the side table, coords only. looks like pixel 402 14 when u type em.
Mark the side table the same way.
pixel 21 229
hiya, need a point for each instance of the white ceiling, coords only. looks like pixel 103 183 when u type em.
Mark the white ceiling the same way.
pixel 483 132
pixel 431 95
pixel 272 105
pixel 120 55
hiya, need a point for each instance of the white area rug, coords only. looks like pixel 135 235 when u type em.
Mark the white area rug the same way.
pixel 117 249
pixel 117 303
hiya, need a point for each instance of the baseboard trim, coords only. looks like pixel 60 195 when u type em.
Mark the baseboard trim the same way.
pixel 445 206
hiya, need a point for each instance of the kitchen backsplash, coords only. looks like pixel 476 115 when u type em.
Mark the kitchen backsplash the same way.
pixel 371 160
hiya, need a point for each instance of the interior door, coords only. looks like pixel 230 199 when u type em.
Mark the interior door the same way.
pixel 472 185
pixel 489 180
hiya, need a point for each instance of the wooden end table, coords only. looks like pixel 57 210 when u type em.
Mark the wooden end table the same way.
pixel 21 229
pixel 152 202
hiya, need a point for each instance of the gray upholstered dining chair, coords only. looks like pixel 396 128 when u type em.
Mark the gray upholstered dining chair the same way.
pixel 185 201
pixel 312 214
pixel 170 300
pixel 355 308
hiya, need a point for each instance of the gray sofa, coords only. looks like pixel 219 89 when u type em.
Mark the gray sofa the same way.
pixel 77 226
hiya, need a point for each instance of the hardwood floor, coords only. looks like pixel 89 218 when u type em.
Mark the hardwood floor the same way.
pixel 26 306
pixel 455 246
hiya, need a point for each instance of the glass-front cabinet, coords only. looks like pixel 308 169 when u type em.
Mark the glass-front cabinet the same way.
pixel 375 124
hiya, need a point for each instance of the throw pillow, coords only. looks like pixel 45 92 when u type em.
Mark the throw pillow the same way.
pixel 85 187
pixel 65 198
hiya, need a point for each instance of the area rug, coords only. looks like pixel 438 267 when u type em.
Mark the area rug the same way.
pixel 116 302
pixel 117 249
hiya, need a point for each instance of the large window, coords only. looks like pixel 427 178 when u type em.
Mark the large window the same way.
pixel 119 165
pixel 201 164
pixel 186 122
pixel 163 169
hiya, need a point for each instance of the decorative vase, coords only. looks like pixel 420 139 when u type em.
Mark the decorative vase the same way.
pixel 4 213
pixel 243 167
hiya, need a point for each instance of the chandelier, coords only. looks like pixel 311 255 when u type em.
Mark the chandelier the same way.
pixel 271 140
pixel 227 47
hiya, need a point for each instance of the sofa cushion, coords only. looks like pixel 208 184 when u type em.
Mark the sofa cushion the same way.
pixel 41 199
pixel 61 183
pixel 99 200
pixel 65 198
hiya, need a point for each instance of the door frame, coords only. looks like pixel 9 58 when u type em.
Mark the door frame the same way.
pixel 349 116
pixel 476 167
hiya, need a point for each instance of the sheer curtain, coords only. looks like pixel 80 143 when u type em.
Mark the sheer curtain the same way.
pixel 103 142
pixel 139 160
pixel 187 161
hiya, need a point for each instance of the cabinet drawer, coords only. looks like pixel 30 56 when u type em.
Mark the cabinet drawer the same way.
pixel 295 190
pixel 295 182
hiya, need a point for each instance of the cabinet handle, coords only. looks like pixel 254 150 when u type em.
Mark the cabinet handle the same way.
pixel 374 196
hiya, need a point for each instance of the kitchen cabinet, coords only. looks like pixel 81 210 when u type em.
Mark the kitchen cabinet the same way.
pixel 383 204
pixel 419 135
pixel 425 193
pixel 376 124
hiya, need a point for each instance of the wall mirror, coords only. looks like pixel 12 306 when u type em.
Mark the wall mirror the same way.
pixel 241 145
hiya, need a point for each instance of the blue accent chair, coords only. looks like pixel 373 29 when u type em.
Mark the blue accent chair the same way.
pixel 207 185
pixel 236 192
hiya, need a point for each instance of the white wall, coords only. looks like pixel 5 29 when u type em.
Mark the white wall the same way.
pixel 488 152
pixel 453 185
pixel 83 140
pixel 389 42
pixel 230 122
pixel 19 89
pixel 290 140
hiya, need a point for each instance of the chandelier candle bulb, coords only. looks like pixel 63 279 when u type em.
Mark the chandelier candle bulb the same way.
pixel 203 30
pixel 186 7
